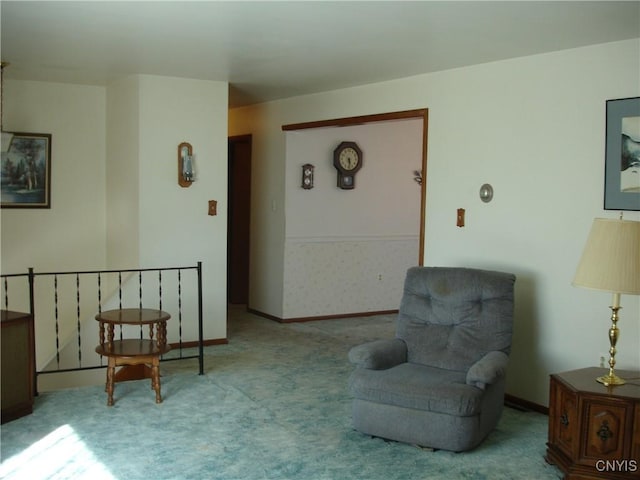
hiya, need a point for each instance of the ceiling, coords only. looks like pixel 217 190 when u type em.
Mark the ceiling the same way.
pixel 271 50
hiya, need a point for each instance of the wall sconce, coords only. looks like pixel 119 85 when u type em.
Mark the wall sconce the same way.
pixel 185 164
pixel 307 176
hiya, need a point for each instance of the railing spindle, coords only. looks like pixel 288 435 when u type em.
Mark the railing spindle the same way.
pixel 200 326
pixel 120 297
pixel 160 289
pixel 6 294
pixel 78 323
pixel 55 302
pixel 140 297
pixel 180 310
pixel 99 293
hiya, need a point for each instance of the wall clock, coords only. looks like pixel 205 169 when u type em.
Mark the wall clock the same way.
pixel 347 158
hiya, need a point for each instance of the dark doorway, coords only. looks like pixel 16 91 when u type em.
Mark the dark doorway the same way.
pixel 238 233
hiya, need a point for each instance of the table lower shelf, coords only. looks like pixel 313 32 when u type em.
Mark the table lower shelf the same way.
pixel 132 348
pixel 139 354
pixel 134 356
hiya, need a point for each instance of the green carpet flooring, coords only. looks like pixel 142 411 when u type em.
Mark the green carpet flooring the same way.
pixel 272 404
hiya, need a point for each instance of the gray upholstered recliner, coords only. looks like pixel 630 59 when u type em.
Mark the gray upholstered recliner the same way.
pixel 440 383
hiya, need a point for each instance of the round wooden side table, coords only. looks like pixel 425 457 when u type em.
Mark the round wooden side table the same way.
pixel 130 352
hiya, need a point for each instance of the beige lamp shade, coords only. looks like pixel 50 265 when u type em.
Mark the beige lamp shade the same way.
pixel 611 258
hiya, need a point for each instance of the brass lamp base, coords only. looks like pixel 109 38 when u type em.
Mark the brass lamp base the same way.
pixel 611 379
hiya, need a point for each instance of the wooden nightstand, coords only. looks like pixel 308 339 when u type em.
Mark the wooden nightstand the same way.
pixel 594 431
pixel 18 365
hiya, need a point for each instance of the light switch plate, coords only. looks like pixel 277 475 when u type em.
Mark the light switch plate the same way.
pixel 460 218
pixel 213 207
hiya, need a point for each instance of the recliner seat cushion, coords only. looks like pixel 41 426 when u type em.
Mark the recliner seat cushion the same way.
pixel 419 387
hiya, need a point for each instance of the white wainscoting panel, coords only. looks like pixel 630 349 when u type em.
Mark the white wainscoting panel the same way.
pixel 344 275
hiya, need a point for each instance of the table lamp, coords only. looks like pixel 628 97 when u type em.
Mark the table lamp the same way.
pixel 611 262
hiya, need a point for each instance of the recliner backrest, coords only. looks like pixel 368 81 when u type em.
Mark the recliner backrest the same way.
pixel 451 317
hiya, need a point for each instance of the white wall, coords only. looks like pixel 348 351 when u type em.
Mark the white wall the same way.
pixel 123 173
pixel 174 226
pixel 347 251
pixel 386 199
pixel 71 234
pixel 534 128
pixel 153 221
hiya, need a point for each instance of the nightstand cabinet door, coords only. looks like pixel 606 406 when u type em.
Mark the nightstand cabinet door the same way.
pixel 564 422
pixel 605 427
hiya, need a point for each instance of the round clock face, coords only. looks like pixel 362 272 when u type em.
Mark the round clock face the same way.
pixel 349 158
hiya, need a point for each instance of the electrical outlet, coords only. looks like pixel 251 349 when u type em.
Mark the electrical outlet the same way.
pixel 603 360
pixel 380 277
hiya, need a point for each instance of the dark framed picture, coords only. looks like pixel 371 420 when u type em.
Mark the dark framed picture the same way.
pixel 622 155
pixel 26 171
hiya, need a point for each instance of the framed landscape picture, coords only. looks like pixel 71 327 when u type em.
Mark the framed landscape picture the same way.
pixel 26 171
pixel 622 156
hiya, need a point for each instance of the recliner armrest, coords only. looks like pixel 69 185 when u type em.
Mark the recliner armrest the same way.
pixel 380 354
pixel 488 369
